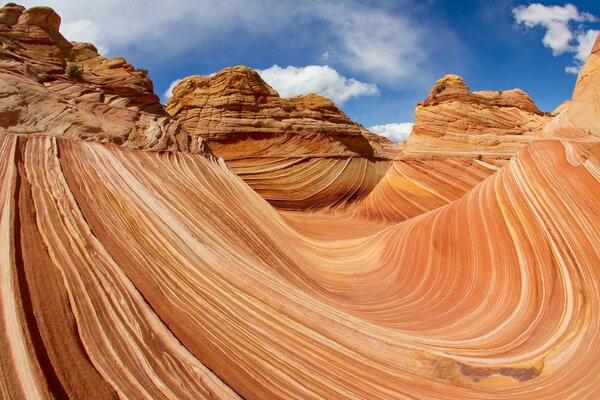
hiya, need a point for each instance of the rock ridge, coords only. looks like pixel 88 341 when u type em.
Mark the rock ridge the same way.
pixel 50 86
pixel 274 144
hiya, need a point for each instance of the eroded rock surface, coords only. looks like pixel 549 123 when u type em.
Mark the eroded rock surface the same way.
pixel 579 119
pixel 127 272
pixel 54 87
pixel 298 153
pixel 452 119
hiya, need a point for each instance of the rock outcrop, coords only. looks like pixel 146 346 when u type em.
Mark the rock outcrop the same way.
pixel 459 139
pixel 418 183
pixel 127 273
pixel 240 115
pixel 579 119
pixel 54 87
pixel 132 273
pixel 455 120
pixel 298 153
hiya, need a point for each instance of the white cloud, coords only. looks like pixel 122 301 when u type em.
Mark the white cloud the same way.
pixel 168 27
pixel 321 79
pixel 169 92
pixel 585 43
pixel 556 21
pixel 84 30
pixel 395 132
pixel 560 36
pixel 384 45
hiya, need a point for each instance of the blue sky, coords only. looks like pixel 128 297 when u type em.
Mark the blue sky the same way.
pixel 376 59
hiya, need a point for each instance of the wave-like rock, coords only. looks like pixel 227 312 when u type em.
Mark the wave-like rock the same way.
pixel 417 183
pixel 459 139
pixel 170 265
pixel 132 273
pixel 298 153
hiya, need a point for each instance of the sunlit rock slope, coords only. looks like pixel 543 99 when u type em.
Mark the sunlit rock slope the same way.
pixel 53 87
pixel 459 139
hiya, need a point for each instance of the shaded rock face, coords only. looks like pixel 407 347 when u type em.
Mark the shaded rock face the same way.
pixel 299 153
pixel 452 119
pixel 54 87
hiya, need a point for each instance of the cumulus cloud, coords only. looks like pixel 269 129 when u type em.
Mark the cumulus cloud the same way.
pixel 383 44
pixel 169 92
pixel 396 132
pixel 169 27
pixel 321 79
pixel 561 37
pixel 84 30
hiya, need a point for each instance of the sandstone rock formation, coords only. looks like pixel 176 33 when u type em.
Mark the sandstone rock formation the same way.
pixel 53 87
pixel 459 139
pixel 203 272
pixel 304 153
pixel 579 119
pixel 455 120
pixel 418 183
pixel 298 153
pixel 239 114
pixel 127 272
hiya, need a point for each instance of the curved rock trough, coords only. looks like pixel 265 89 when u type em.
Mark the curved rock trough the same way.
pixel 152 253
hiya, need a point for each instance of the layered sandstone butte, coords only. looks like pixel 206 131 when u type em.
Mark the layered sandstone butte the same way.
pixel 455 120
pixel 152 271
pixel 298 153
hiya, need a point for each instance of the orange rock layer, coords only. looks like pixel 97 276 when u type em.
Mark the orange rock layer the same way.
pixel 183 274
pixel 53 87
pixel 132 273
pixel 455 120
pixel 304 153
pixel 298 153
pixel 459 139
pixel 417 183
